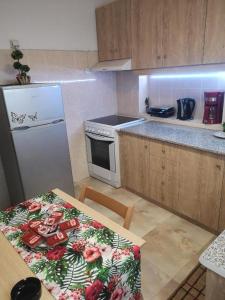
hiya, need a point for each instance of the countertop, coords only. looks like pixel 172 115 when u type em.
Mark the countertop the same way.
pixel 213 258
pixel 201 139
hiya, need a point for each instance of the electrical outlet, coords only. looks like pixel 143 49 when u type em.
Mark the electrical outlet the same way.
pixel 14 44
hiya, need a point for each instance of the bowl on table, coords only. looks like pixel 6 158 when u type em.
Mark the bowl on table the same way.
pixel 27 289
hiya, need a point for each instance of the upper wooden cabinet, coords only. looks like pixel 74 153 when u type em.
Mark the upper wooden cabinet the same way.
pixel 113 23
pixel 167 32
pixel 214 50
pixel 147 33
pixel 183 32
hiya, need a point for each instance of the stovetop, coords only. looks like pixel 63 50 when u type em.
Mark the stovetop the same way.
pixel 114 120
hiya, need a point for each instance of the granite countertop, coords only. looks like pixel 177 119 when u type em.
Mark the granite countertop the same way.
pixel 213 258
pixel 201 139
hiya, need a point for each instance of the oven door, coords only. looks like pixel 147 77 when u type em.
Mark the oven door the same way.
pixel 101 151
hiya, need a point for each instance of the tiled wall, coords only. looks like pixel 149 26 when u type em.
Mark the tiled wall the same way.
pixel 133 88
pixel 128 93
pixel 82 100
pixel 165 91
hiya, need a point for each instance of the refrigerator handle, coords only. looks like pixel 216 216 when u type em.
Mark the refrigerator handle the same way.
pixel 57 121
pixel 21 128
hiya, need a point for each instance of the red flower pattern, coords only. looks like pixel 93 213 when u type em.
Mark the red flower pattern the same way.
pixel 117 294
pixel 24 227
pixel 136 251
pixel 91 254
pixel 56 253
pixel 79 246
pixel 90 249
pixel 68 205
pixel 97 225
pixel 92 292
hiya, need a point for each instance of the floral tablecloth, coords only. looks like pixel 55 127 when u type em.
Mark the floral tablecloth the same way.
pixel 94 263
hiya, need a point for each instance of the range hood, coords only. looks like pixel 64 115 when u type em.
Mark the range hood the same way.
pixel 113 65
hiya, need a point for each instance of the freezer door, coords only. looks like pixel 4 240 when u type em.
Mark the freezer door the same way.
pixel 32 106
pixel 43 159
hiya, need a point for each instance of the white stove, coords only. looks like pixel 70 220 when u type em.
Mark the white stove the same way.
pixel 102 143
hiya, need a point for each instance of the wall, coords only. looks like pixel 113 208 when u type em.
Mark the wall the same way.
pixel 133 89
pixel 49 24
pixel 166 91
pixel 127 93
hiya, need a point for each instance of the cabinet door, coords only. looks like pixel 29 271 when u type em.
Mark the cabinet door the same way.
pixel 113 23
pixel 183 37
pixel 147 33
pixel 214 50
pixel 134 163
pixel 222 208
pixel 200 183
pixel 163 186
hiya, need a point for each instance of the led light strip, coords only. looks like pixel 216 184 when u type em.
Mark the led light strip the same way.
pixel 180 76
pixel 66 81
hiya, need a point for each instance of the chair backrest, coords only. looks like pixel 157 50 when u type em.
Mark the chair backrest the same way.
pixel 124 211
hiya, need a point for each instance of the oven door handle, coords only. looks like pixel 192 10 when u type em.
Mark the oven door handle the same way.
pixel 99 137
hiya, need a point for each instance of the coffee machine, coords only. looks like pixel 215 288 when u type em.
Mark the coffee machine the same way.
pixel 213 107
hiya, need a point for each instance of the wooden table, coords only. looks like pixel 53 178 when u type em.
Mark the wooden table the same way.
pixel 13 268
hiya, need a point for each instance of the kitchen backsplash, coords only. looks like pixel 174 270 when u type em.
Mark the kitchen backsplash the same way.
pixel 165 91
pixel 132 89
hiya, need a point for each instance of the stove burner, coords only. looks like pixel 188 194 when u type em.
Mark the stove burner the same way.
pixel 113 120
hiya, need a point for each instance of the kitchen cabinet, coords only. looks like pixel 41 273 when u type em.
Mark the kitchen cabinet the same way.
pixel 214 49
pixel 135 157
pixel 182 179
pixel 147 33
pixel 222 208
pixel 200 184
pixel 113 22
pixel 167 32
pixel 183 35
pixel 163 183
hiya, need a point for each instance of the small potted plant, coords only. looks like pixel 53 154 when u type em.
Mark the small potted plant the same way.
pixel 22 77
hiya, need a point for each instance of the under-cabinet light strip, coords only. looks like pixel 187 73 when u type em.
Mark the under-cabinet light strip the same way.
pixel 190 75
pixel 65 81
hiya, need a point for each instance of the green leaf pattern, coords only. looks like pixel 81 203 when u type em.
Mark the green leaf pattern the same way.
pixel 76 273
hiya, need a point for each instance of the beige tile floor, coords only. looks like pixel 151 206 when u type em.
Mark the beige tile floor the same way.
pixel 172 244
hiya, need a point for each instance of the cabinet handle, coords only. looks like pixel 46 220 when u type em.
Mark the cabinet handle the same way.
pixel 162 183
pixel 163 167
pixel 218 167
pixel 158 57
pixel 163 151
pixel 165 56
pixel 146 147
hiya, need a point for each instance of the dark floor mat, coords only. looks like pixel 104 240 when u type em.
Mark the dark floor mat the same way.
pixel 193 287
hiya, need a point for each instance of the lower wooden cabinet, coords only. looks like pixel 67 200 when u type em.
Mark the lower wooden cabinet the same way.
pixel 200 184
pixel 188 181
pixel 134 169
pixel 163 185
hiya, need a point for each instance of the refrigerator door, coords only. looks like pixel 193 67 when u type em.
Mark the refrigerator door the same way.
pixel 33 105
pixel 43 157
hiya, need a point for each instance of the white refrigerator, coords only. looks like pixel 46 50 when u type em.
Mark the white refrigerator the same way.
pixel 34 145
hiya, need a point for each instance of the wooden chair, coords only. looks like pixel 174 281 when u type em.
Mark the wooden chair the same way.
pixel 124 211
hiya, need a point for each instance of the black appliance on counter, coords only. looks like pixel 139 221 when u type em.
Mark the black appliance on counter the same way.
pixel 161 111
pixel 185 108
